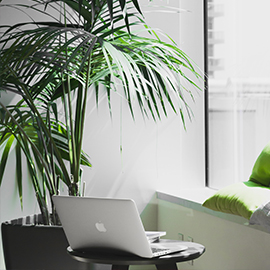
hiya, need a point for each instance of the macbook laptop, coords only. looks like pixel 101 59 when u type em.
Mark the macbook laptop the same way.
pixel 107 224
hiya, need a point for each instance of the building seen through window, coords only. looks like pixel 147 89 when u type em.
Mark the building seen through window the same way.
pixel 239 87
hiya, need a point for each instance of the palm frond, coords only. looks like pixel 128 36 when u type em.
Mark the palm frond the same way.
pixel 90 45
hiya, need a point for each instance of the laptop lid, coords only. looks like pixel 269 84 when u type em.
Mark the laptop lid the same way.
pixel 102 223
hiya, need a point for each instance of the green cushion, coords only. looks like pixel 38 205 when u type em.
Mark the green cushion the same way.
pixel 261 170
pixel 239 199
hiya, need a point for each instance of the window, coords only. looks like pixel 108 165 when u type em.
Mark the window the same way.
pixel 238 87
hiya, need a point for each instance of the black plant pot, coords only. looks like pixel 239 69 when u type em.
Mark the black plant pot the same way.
pixel 36 247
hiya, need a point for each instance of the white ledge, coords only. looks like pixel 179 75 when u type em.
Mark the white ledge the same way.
pixel 194 198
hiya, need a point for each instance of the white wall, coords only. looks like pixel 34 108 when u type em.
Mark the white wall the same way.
pixel 155 155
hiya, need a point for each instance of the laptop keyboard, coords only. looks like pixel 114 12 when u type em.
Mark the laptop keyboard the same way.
pixel 160 251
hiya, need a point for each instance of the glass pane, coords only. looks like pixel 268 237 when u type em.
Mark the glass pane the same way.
pixel 239 87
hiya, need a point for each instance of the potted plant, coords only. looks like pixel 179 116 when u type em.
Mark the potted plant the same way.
pixel 85 45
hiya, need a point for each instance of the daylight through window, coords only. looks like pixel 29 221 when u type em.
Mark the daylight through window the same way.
pixel 239 87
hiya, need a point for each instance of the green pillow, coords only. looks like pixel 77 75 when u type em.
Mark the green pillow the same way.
pixel 261 170
pixel 239 199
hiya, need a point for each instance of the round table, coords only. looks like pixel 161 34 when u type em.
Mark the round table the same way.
pixel 122 262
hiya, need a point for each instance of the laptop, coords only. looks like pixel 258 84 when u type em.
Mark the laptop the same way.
pixel 108 225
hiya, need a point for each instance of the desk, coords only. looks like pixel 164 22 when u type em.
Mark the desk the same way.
pixel 120 262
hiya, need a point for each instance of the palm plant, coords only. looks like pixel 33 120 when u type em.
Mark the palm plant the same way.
pixel 89 45
pixel 42 138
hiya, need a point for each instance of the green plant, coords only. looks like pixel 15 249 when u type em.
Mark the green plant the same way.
pixel 88 45
pixel 37 133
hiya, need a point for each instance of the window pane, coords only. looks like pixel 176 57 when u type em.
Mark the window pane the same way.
pixel 239 87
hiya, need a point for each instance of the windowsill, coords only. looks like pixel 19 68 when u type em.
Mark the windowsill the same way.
pixel 193 198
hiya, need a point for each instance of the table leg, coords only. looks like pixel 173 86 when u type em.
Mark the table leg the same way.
pixel 169 266
pixel 120 267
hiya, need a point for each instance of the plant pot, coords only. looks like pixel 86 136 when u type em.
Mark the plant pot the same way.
pixel 28 246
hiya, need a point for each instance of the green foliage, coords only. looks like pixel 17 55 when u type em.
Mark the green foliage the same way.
pixel 85 45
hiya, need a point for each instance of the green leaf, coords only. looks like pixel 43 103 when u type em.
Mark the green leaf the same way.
pixel 4 157
pixel 19 172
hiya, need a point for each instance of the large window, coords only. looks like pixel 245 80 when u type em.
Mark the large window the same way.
pixel 238 87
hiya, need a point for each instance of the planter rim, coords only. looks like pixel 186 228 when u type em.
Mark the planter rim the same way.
pixel 31 220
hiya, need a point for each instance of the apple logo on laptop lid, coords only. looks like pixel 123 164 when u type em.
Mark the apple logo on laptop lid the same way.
pixel 100 227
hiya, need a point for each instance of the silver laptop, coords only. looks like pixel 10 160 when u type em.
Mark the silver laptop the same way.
pixel 107 224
